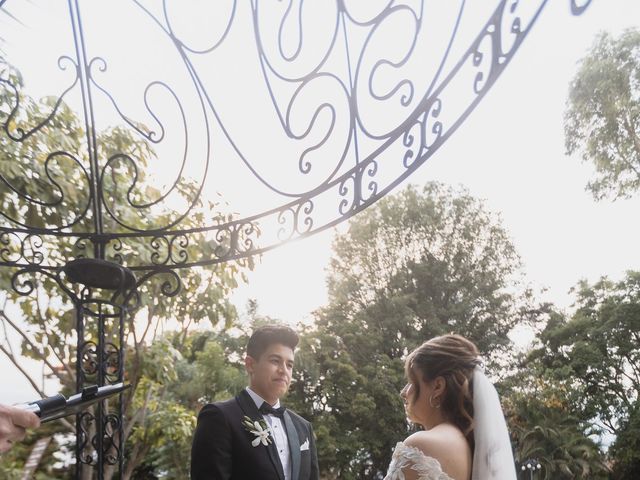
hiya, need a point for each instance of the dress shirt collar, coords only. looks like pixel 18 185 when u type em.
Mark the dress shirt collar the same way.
pixel 258 400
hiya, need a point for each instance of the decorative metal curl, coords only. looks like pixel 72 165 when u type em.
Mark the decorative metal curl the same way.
pixel 11 248
pixel 24 280
pixel 111 448
pixel 326 92
pixel 354 121
pixel 112 364
pixel 85 439
pixel 89 355
pixel 578 7
pixel 170 286
pixel 19 134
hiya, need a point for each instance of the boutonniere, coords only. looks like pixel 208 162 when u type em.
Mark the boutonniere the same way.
pixel 260 429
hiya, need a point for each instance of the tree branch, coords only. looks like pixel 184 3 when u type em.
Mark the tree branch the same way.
pixel 628 125
pixel 140 414
pixel 13 360
pixel 636 143
pixel 150 316
pixel 33 346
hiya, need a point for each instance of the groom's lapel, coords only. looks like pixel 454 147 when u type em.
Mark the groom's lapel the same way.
pixel 249 408
pixel 294 445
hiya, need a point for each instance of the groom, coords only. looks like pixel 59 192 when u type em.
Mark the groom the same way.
pixel 228 444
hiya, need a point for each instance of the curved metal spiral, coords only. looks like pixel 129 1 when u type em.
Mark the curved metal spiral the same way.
pixel 354 120
pixel 340 101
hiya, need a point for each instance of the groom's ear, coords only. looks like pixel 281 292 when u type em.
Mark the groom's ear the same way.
pixel 249 364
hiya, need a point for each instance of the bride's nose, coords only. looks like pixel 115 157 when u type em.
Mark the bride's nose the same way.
pixel 403 392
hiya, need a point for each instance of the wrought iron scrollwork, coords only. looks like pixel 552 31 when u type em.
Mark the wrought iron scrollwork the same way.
pixel 85 437
pixel 578 7
pixel 352 97
pixel 111 444
pixel 359 119
pixel 89 365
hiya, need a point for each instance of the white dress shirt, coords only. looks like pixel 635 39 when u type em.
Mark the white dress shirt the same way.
pixel 278 433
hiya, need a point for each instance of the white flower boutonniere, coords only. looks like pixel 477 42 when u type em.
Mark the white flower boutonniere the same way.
pixel 260 429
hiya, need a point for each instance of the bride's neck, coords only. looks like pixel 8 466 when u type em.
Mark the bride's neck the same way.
pixel 436 419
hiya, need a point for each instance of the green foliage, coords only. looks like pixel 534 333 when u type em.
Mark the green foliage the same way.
pixel 543 426
pixel 602 120
pixel 35 168
pixel 181 373
pixel 415 265
pixel 595 353
pixel 420 264
pixel 594 360
pixel 12 462
pixel 625 451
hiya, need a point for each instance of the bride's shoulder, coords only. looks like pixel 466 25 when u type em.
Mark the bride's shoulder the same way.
pixel 415 451
pixel 447 445
pixel 438 441
pixel 413 463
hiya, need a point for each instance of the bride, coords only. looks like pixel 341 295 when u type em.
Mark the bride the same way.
pixel 465 435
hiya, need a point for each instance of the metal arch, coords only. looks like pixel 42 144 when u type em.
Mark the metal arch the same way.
pixel 344 191
pixel 357 178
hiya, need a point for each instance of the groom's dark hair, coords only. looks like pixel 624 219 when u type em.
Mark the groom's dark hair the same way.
pixel 267 335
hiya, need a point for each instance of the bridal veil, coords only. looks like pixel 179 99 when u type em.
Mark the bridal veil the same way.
pixel 492 458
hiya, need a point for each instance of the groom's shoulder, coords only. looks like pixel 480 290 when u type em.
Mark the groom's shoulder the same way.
pixel 295 417
pixel 223 407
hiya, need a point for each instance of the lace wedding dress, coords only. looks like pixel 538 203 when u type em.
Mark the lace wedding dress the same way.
pixel 492 456
pixel 427 468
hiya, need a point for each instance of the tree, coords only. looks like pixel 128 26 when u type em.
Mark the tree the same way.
pixel 189 371
pixel 202 367
pixel 595 352
pixel 34 167
pixel 430 262
pixel 415 265
pixel 594 356
pixel 625 451
pixel 543 426
pixel 602 119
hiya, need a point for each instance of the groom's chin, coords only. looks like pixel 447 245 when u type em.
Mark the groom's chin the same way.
pixel 281 390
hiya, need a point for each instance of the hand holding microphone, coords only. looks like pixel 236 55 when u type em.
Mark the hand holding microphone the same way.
pixel 15 420
pixel 13 424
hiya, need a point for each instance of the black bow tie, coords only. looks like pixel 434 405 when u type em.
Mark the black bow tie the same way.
pixel 267 409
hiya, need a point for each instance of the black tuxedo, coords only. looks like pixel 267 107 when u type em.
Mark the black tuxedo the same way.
pixel 222 449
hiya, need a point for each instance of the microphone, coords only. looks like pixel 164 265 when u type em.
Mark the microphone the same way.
pixel 56 406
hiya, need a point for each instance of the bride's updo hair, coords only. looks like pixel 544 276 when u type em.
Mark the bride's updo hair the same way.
pixel 453 358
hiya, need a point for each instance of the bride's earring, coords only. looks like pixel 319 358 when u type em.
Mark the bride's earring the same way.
pixel 431 402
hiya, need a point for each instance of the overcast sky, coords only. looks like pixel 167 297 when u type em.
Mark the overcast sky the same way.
pixel 510 152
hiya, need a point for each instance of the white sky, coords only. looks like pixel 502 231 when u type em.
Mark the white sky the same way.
pixel 510 152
